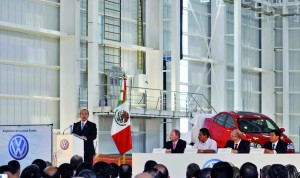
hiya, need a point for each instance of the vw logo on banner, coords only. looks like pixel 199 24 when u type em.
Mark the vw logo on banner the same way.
pixel 210 163
pixel 64 144
pixel 18 147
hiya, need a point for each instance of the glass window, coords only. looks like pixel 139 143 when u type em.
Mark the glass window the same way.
pixel 220 119
pixel 230 122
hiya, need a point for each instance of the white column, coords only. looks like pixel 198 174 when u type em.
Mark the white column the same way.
pixel 93 57
pixel 267 58
pixel 153 21
pixel 218 70
pixel 237 56
pixel 175 50
pixel 285 68
pixel 69 66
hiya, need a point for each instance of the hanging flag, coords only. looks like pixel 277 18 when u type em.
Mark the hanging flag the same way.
pixel 120 129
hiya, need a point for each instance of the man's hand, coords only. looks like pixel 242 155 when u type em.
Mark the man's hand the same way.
pixel 267 151
pixel 83 137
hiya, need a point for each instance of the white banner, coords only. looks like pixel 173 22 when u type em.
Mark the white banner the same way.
pixel 25 143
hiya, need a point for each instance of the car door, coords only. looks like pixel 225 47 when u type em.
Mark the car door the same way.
pixel 219 129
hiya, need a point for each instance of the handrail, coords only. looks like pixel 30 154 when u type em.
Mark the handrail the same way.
pixel 161 100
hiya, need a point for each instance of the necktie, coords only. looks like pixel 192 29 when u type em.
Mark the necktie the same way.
pixel 174 145
pixel 273 146
pixel 82 125
pixel 236 146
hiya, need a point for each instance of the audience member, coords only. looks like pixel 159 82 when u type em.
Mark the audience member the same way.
pixel 237 144
pixel 277 171
pixel 41 164
pixel 205 144
pixel 102 168
pixel 275 145
pixel 51 172
pixel 82 166
pixel 264 171
pixel 86 173
pixel 149 165
pixel 155 173
pixel 31 171
pixel 192 170
pixel 222 170
pixel 143 175
pixel 66 170
pixel 292 171
pixel 125 171
pixel 114 170
pixel 249 170
pixel 204 173
pixel 235 172
pixel 15 166
pixel 75 161
pixel 163 169
pixel 175 145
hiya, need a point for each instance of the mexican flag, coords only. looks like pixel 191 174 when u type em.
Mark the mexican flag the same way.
pixel 120 129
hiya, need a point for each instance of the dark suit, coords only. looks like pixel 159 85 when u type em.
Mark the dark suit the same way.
pixel 180 146
pixel 281 146
pixel 243 147
pixel 90 132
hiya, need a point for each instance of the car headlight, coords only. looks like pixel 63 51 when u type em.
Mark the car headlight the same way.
pixel 291 146
pixel 255 145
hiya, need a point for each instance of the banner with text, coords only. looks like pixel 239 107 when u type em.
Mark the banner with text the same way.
pixel 25 143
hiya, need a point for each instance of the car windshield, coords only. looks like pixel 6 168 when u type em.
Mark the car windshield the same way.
pixel 256 125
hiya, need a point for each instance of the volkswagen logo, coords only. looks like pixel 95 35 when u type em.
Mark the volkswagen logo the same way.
pixel 64 144
pixel 18 147
pixel 210 163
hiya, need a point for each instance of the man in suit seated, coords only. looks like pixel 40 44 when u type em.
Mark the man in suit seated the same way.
pixel 275 145
pixel 205 143
pixel 176 145
pixel 237 144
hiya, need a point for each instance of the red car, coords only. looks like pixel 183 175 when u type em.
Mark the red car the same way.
pixel 255 127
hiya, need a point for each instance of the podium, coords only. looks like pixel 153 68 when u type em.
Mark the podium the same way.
pixel 67 146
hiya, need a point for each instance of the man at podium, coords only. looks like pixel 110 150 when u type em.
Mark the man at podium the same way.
pixel 88 132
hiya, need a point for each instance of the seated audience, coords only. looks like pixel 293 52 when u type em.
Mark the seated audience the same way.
pixel 51 172
pixel 41 164
pixel 31 171
pixel 249 170
pixel 143 175
pixel 275 145
pixel 264 171
pixel 204 173
pixel 277 171
pixel 83 166
pixel 236 172
pixel 15 166
pixel 155 173
pixel 175 145
pixel 125 171
pixel 292 171
pixel 75 161
pixel 192 170
pixel 149 165
pixel 102 168
pixel 222 170
pixel 163 169
pixel 237 144
pixel 86 174
pixel 205 143
pixel 114 170
pixel 66 170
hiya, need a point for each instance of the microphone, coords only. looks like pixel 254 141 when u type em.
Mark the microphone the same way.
pixel 68 128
